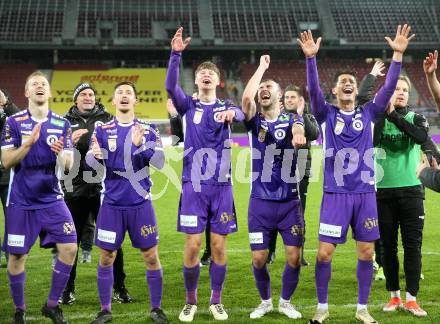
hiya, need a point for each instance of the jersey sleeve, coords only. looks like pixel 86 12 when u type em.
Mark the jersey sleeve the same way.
pixel 253 124
pixel 10 135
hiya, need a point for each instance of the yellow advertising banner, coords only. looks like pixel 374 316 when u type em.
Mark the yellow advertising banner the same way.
pixel 150 86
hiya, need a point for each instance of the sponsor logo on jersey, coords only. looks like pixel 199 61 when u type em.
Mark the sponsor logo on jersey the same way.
pixel 330 230
pixel 26 126
pixel 147 230
pixel 188 220
pixel 370 223
pixel 68 228
pixel 106 236
pixel 25 117
pixel 297 230
pixel 226 218
pixel 16 240
pixel 256 238
pixel 54 131
pixel 57 122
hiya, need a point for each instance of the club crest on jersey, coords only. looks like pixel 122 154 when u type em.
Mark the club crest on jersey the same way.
pixel 262 135
pixel 280 134
pixel 111 144
pixel 358 124
pixel 51 139
pixel 197 117
pixel 98 123
pixel 339 126
pixel 68 228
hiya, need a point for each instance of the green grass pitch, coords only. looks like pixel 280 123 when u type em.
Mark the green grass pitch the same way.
pixel 240 295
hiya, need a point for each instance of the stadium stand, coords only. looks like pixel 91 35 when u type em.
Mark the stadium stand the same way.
pixel 260 21
pixel 134 18
pixel 13 77
pixel 29 20
pixel 369 21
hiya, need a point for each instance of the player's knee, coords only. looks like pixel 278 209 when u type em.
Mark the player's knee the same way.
pixel 151 258
pixel 68 251
pixel 107 258
pixel 325 255
pixel 293 260
pixel 366 253
pixel 259 261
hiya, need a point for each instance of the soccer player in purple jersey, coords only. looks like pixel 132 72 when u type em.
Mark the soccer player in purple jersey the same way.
pixel 127 147
pixel 36 145
pixel 206 189
pixel 349 191
pixel 274 204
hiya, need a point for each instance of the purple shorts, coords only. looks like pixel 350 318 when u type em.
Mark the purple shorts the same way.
pixel 214 204
pixel 53 224
pixel 339 210
pixel 113 222
pixel 267 216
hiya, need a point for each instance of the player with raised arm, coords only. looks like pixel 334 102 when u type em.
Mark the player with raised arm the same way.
pixel 430 67
pixel 349 182
pixel 36 145
pixel 127 147
pixel 206 189
pixel 274 203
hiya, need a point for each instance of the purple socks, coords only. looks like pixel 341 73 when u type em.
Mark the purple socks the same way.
pixel 289 281
pixel 191 281
pixel 323 273
pixel 364 274
pixel 60 276
pixel 105 285
pixel 154 280
pixel 16 285
pixel 217 273
pixel 262 280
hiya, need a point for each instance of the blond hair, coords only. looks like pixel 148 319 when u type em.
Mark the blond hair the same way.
pixel 34 74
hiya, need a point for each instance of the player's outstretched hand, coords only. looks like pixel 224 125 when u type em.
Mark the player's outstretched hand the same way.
pixel 430 63
pixel 96 150
pixel 76 135
pixel 177 43
pixel 137 134
pixel 401 40
pixel 308 45
pixel 226 116
pixel 265 61
pixel 378 69
pixel 35 135
pixel 58 146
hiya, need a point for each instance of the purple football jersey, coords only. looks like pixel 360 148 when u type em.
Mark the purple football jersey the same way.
pixel 126 181
pixel 273 157
pixel 348 136
pixel 207 144
pixel 34 182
